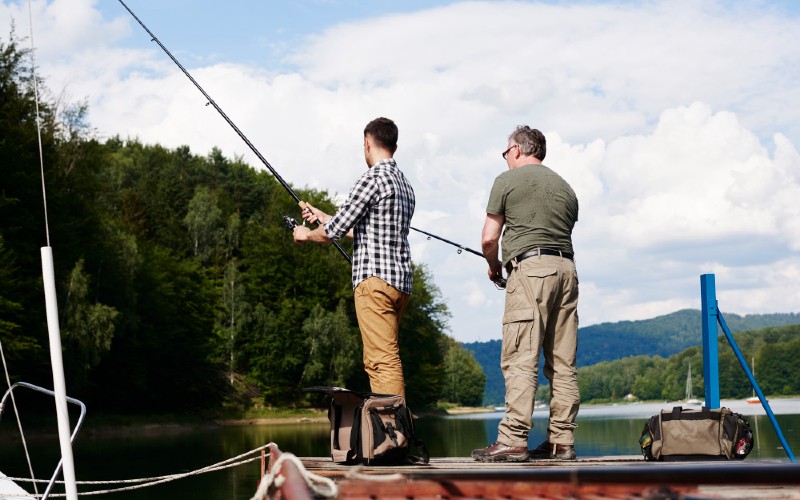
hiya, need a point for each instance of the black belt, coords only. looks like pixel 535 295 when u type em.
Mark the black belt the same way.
pixel 542 251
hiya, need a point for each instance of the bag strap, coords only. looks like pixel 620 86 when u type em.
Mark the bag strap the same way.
pixel 418 443
pixel 337 423
pixel 354 453
pixel 420 446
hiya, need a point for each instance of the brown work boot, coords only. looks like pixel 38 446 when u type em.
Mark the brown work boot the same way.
pixel 499 452
pixel 552 451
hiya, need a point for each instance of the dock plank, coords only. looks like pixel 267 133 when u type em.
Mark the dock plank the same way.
pixel 617 477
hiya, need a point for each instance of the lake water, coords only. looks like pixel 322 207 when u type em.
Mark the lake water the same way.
pixel 602 431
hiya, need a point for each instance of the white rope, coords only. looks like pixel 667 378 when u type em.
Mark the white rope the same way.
pixel 16 413
pixel 356 473
pixel 271 482
pixel 152 481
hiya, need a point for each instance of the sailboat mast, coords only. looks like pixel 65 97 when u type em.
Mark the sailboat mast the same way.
pixel 689 383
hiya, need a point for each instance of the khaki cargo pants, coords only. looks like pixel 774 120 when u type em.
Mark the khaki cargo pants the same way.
pixel 379 307
pixel 541 313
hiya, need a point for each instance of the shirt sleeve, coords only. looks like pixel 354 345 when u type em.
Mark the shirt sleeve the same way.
pixel 497 198
pixel 356 206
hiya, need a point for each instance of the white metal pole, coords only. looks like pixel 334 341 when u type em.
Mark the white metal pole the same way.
pixel 59 385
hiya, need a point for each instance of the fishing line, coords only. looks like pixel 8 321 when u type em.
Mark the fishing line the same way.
pixel 256 152
pixel 211 101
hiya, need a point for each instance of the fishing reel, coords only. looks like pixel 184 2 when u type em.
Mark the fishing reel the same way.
pixel 501 285
pixel 290 222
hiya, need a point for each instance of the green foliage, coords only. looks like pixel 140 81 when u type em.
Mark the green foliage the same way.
pixel 89 327
pixel 464 378
pixel 205 224
pixel 180 288
pixel 487 354
pixel 661 337
pixel 331 343
pixel 22 327
pixel 423 341
pixel 775 351
pixel 17 344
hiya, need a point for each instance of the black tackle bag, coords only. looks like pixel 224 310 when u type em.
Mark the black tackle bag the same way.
pixel 678 434
pixel 371 429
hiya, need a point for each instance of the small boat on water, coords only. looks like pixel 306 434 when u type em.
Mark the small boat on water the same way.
pixel 753 400
pixel 690 399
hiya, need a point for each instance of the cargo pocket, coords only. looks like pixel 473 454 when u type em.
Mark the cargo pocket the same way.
pixel 524 291
pixel 516 322
pixel 519 315
pixel 539 272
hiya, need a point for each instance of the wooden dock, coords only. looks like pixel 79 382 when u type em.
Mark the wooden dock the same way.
pixel 592 478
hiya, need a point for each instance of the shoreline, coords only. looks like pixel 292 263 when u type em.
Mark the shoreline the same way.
pixel 160 424
pixel 239 422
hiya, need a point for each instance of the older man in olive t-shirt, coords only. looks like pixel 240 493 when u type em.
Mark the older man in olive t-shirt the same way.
pixel 538 209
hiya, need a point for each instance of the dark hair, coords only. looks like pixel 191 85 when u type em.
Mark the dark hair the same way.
pixel 384 132
pixel 531 141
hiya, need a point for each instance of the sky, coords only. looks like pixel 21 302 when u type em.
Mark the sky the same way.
pixel 676 122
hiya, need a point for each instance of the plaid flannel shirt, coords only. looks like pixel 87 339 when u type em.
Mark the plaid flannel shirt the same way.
pixel 379 210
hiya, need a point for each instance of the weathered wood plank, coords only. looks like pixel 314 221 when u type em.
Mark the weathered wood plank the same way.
pixel 588 478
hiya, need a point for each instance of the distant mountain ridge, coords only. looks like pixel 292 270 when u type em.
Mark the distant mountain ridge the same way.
pixel 660 336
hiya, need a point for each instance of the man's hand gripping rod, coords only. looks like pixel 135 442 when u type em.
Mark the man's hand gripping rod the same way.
pixel 230 122
pixel 210 101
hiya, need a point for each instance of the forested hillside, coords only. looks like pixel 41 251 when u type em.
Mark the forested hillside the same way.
pixel 179 286
pixel 661 336
pixel 775 351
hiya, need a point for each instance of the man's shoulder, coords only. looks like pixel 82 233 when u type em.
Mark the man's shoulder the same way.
pixel 545 172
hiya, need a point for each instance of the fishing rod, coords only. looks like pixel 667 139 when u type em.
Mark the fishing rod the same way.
pixel 501 284
pixel 230 122
pixel 255 151
pixel 460 247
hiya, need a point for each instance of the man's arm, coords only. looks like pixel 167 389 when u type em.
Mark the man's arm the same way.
pixel 317 235
pixel 490 244
pixel 315 215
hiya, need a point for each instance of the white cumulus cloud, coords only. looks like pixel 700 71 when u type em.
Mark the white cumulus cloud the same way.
pixel 672 120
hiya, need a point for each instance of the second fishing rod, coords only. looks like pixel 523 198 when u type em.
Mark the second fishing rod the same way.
pixel 210 101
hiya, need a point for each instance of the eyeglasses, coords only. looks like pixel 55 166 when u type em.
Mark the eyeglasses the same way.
pixel 505 153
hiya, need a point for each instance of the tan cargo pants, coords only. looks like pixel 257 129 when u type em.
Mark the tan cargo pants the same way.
pixel 541 313
pixel 379 307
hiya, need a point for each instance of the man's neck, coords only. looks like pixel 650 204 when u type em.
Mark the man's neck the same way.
pixel 524 160
pixel 379 158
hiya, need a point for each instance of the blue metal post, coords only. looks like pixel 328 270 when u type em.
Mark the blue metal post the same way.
pixel 710 352
pixel 756 387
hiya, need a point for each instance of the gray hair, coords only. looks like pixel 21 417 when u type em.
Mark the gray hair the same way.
pixel 531 141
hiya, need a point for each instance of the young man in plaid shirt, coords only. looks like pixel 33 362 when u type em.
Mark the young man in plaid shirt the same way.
pixel 377 215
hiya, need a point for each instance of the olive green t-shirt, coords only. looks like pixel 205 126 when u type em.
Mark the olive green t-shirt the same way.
pixel 540 210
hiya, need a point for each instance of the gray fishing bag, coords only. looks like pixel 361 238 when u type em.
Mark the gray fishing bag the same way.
pixel 696 435
pixel 371 429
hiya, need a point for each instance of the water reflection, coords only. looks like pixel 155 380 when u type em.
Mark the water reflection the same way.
pixel 158 452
